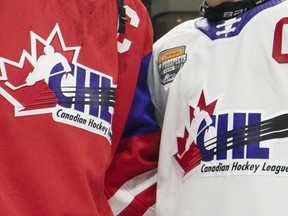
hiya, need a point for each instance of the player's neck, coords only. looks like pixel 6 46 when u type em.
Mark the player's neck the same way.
pixel 213 3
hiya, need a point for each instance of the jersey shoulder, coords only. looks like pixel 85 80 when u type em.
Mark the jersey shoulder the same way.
pixel 250 19
pixel 179 35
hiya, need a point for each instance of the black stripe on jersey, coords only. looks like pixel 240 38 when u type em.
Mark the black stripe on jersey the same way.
pixel 85 96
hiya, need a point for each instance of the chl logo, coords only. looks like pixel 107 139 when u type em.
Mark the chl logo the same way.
pixel 209 137
pixel 49 80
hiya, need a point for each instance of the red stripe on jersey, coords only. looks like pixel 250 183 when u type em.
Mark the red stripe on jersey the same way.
pixel 139 154
pixel 135 208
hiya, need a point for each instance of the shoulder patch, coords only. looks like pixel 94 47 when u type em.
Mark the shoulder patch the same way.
pixel 170 62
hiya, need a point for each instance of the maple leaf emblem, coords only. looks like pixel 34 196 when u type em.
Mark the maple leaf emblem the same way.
pixel 189 155
pixel 24 83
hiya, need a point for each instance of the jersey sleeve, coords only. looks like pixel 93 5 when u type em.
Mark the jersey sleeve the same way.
pixel 159 92
pixel 131 178
pixel 167 61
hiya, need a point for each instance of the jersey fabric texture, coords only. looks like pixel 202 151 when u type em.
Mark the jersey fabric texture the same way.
pixel 67 83
pixel 222 90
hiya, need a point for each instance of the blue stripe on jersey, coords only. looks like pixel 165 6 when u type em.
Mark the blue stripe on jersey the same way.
pixel 140 120
pixel 213 29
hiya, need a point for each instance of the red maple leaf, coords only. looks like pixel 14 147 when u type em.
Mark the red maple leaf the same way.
pixel 189 159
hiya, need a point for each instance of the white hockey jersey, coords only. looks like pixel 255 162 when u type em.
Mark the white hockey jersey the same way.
pixel 222 88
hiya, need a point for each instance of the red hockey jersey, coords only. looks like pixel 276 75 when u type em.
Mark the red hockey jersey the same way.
pixel 67 82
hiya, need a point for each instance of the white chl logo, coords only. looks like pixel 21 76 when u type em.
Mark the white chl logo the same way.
pixel 74 93
pixel 48 79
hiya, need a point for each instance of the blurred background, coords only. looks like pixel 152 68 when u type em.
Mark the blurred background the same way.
pixel 166 14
